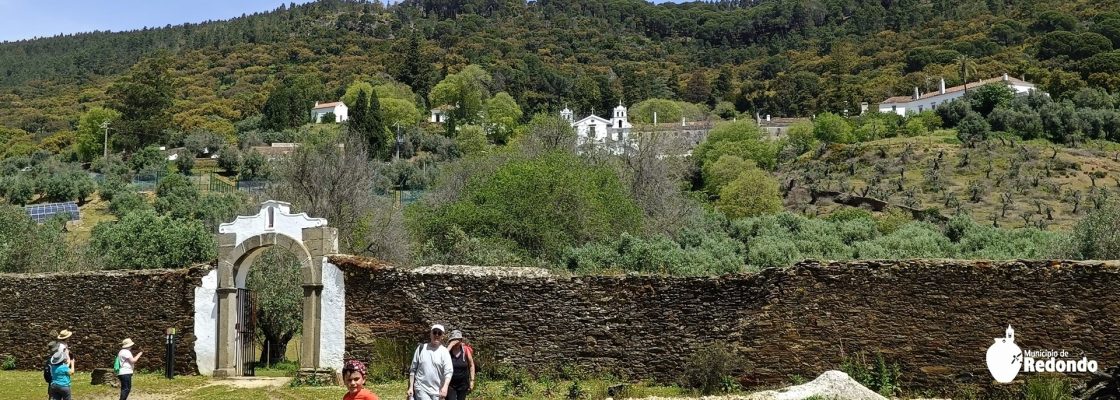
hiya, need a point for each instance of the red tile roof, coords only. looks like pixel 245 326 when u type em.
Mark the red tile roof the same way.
pixel 327 105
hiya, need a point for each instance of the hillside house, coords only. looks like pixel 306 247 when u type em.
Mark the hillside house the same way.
pixel 440 114
pixel 337 108
pixel 919 102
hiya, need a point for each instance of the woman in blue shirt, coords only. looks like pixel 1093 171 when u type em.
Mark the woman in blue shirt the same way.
pixel 60 381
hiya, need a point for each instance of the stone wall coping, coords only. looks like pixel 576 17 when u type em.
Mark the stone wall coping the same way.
pixel 359 262
pixel 197 269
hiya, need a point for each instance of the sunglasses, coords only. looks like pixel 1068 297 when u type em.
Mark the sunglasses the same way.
pixel 437 332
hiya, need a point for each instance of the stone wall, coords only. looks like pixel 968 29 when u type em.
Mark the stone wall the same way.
pixel 101 308
pixel 935 318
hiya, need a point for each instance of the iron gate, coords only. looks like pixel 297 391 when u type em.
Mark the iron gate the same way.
pixel 246 332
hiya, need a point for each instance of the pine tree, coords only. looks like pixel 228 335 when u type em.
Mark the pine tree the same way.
pixel 366 122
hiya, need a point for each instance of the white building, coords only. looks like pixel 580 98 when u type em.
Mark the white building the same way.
pixel 440 114
pixel 594 129
pixel 340 111
pixel 919 102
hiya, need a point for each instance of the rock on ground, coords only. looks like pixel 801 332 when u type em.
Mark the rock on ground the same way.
pixel 830 385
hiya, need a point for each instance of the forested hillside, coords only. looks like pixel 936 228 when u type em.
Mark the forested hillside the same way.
pixel 780 57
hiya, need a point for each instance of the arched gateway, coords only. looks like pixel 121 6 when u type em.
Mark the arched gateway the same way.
pixel 239 243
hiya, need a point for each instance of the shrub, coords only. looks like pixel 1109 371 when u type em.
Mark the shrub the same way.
pixel 26 246
pixel 126 201
pixel 185 163
pixel 390 360
pixel 1047 387
pixel 709 368
pixel 147 160
pixel 19 190
pixel 143 240
pixel 254 167
pixel 881 377
pixel 544 204
pixel 1097 235
pixel 754 192
pixel 229 159
pixel 9 362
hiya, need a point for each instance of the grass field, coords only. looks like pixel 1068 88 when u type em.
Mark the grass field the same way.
pixel 23 385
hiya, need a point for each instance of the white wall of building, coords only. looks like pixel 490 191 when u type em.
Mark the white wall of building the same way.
pixel 332 337
pixel 930 101
pixel 341 113
pixel 206 323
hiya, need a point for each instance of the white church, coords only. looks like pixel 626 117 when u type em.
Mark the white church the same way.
pixel 613 133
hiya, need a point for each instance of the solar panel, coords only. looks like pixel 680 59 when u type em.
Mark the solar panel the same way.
pixel 43 212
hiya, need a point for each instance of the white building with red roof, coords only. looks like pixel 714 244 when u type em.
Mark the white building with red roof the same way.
pixel 919 102
pixel 337 108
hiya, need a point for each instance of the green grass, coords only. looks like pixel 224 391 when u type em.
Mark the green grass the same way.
pixel 30 385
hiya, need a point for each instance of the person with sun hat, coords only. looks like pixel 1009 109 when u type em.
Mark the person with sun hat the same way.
pixel 128 365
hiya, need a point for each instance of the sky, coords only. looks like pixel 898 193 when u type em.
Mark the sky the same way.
pixel 26 19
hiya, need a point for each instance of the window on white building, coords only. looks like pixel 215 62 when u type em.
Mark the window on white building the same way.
pixel 591 131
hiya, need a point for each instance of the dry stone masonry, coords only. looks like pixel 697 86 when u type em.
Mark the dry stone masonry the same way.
pixel 101 308
pixel 935 318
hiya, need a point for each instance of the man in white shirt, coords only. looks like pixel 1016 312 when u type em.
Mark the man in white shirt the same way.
pixel 431 369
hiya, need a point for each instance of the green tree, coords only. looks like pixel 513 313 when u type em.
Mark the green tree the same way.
pixel 398 112
pixel 229 159
pixel 742 139
pixel 542 205
pixel 148 160
pixel 91 137
pixel 144 240
pixel 185 163
pixel 144 99
pixel 986 98
pixel 751 194
pixel 255 167
pixel 697 89
pixel 548 133
pixel 275 279
pixel 26 246
pixel 366 122
pixel 832 128
pixel 502 116
pixel 471 140
pixel 1097 236
pixel 466 91
pixel 724 170
pixel 351 96
pixel 973 129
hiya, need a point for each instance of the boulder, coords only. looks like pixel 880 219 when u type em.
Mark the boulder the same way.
pixel 104 376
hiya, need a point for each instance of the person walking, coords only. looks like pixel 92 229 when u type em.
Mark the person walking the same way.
pixel 62 369
pixel 128 365
pixel 462 378
pixel 430 372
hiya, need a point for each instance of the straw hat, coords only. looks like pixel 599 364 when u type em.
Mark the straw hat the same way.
pixel 65 334
pixel 126 343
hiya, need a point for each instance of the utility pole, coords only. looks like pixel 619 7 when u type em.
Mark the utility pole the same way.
pixel 105 126
pixel 398 124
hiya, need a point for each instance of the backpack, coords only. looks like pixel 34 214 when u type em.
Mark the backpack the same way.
pixel 117 365
pixel 470 351
pixel 47 370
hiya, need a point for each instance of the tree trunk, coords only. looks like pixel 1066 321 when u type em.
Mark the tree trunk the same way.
pixel 274 347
